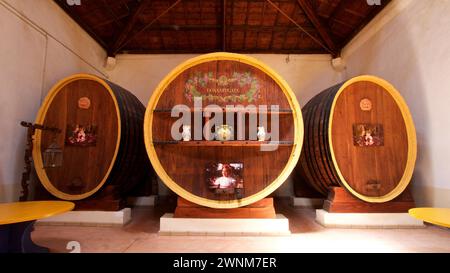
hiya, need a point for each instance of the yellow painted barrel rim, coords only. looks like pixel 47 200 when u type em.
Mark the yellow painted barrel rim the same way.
pixel 410 132
pixel 298 123
pixel 37 154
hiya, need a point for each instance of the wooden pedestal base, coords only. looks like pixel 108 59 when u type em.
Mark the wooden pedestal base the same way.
pixel 341 201
pixel 261 209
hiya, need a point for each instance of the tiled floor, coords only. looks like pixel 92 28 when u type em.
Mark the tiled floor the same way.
pixel 141 235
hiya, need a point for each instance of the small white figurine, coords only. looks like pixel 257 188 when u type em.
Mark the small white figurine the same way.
pixel 186 134
pixel 261 133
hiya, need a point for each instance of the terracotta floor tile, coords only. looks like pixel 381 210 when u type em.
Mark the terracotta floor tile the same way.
pixel 141 235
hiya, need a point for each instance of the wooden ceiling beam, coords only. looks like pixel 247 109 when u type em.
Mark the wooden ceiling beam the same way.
pixel 300 27
pixel 262 21
pixel 95 11
pixel 130 25
pixel 188 35
pixel 338 9
pixel 110 21
pixel 375 10
pixel 246 23
pixel 161 38
pixel 210 50
pixel 338 21
pixel 131 36
pixel 82 23
pixel 112 13
pixel 229 28
pixel 272 31
pixel 126 30
pixel 317 23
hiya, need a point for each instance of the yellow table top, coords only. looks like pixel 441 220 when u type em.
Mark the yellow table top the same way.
pixel 436 216
pixel 11 213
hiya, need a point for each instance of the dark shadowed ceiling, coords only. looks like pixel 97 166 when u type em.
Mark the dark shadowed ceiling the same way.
pixel 201 26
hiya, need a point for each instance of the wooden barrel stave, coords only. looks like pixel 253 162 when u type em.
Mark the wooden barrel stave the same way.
pixel 132 157
pixel 313 145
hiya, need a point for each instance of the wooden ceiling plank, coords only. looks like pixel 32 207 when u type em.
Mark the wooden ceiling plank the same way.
pixel 161 38
pixel 357 14
pixel 224 25
pixel 63 5
pixel 132 36
pixel 209 50
pixel 112 13
pixel 229 28
pixel 267 28
pixel 260 25
pixel 175 39
pixel 317 23
pixel 118 17
pixel 230 23
pixel 200 4
pixel 107 22
pixel 335 20
pixel 283 46
pixel 375 10
pixel 126 30
pixel 338 9
pixel 303 29
pixel 186 23
pixel 94 11
pixel 246 23
pixel 272 30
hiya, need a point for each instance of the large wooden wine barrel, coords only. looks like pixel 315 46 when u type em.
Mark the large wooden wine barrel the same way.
pixel 101 138
pixel 359 135
pixel 190 168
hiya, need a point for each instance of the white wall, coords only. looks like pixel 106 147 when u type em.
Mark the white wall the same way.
pixel 408 44
pixel 39 45
pixel 306 74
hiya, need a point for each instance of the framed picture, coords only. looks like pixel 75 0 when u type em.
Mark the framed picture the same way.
pixel 81 135
pixel 225 178
pixel 368 135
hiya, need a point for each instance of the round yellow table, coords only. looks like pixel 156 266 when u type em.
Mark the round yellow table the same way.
pixel 17 221
pixel 436 216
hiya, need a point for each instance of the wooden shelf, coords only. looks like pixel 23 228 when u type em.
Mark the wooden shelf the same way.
pixel 279 112
pixel 239 143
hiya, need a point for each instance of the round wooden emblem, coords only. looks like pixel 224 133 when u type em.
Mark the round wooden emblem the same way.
pixel 365 104
pixel 84 103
